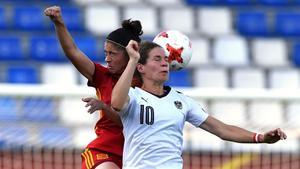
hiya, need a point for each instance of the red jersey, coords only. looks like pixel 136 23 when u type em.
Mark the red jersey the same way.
pixel 109 135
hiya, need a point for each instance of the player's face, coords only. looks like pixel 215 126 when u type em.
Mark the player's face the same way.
pixel 115 58
pixel 157 66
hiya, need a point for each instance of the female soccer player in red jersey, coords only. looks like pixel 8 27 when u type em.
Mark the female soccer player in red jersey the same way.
pixel 104 152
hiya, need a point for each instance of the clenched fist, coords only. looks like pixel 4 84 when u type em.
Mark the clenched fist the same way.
pixel 273 136
pixel 54 13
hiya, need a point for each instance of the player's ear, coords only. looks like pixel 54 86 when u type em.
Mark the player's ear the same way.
pixel 140 68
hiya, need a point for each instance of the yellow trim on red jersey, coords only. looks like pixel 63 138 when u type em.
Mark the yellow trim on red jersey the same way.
pixel 88 158
pixel 91 158
pixel 98 93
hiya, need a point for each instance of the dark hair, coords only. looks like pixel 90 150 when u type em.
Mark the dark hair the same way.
pixel 130 30
pixel 145 48
pixel 134 26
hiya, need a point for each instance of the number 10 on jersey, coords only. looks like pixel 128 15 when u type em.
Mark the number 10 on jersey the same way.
pixel 146 115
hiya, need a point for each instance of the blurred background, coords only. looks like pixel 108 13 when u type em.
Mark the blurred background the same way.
pixel 244 71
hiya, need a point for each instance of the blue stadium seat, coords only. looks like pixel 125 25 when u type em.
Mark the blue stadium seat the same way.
pixel 100 49
pixel 14 136
pixel 296 54
pixel 89 46
pixel 45 48
pixel 55 1
pixel 273 2
pixel 15 1
pixel 11 48
pixel 237 2
pixel 2 143
pixel 8 109
pixel 38 109
pixel 181 78
pixel 28 18
pixel 201 2
pixel 287 23
pixel 252 23
pixel 296 2
pixel 3 19
pixel 22 74
pixel 55 137
pixel 73 18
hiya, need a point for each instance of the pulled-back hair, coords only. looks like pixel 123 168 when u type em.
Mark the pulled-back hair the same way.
pixel 133 26
pixel 130 30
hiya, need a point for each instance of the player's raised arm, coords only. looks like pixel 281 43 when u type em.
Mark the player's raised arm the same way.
pixel 237 134
pixel 119 96
pixel 83 64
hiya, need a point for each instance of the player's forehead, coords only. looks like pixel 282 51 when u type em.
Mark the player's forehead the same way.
pixel 157 52
pixel 109 46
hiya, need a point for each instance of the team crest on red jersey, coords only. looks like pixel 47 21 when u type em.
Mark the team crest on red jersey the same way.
pixel 102 156
pixel 178 104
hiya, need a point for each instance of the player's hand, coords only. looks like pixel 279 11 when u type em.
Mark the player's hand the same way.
pixel 133 50
pixel 54 13
pixel 273 136
pixel 93 104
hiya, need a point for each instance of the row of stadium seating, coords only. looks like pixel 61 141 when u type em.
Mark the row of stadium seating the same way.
pixel 28 43
pixel 278 3
pixel 227 50
pixel 65 74
pixel 71 128
pixel 29 18
pixel 44 48
pixel 249 22
pixel 43 110
pixel 224 50
pixel 27 109
pixel 61 137
pixel 51 136
pixel 199 21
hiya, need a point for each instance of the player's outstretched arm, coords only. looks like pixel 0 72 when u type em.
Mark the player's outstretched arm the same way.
pixel 240 135
pixel 83 64
pixel 96 104
pixel 120 97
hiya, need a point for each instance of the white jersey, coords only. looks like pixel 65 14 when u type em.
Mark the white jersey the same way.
pixel 153 128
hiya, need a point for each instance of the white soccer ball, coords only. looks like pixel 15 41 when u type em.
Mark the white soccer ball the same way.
pixel 177 46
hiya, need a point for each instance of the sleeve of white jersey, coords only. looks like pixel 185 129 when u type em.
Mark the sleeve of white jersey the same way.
pixel 126 108
pixel 195 115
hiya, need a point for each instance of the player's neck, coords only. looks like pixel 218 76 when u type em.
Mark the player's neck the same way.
pixel 156 89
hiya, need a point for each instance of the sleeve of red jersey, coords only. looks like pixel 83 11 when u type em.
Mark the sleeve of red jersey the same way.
pixel 98 76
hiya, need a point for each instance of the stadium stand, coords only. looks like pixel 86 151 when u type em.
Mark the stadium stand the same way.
pixel 55 137
pixel 74 18
pixel 3 22
pixel 39 46
pixel 214 21
pixel 8 109
pixel 11 48
pixel 22 74
pixel 14 136
pixel 248 78
pixel 239 45
pixel 28 18
pixel 253 23
pixel 38 109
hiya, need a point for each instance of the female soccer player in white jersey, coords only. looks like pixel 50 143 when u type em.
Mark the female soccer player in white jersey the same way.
pixel 153 116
